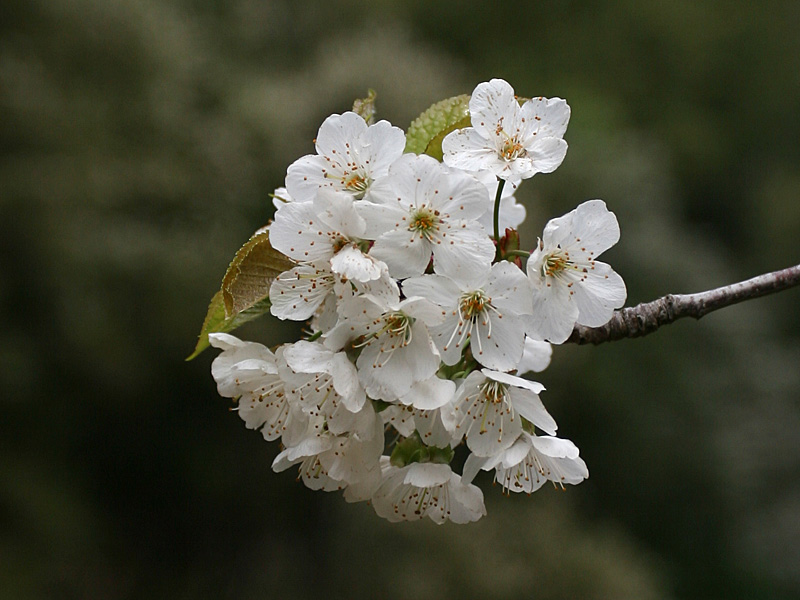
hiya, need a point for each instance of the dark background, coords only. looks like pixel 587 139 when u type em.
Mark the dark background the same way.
pixel 140 140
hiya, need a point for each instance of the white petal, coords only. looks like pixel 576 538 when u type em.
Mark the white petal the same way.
pixel 462 249
pixel 548 117
pixel 297 233
pixel 345 382
pixel 426 474
pixel 554 447
pixel 469 150
pixel 499 347
pixel 554 313
pixel 380 218
pixel 598 295
pixel 307 357
pixel 298 293
pixel 439 289
pixel 430 394
pixel 493 429
pixel 536 356
pixel 530 406
pixel 306 176
pixel 493 103
pixel 466 501
pixel 379 146
pixel 336 133
pixel 351 263
pixel 545 156
pixel 337 211
pixel 405 253
pixel 513 380
pixel 472 466
pixel 509 288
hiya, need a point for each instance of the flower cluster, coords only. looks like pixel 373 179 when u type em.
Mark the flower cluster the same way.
pixel 421 321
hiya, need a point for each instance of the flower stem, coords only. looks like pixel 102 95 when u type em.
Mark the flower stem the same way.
pixel 500 184
pixel 522 253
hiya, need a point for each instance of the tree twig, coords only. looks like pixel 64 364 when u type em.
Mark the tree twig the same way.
pixel 645 318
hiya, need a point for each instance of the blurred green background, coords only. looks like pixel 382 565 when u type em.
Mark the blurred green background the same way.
pixel 140 140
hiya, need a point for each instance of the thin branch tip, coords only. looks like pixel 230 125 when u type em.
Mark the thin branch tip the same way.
pixel 645 318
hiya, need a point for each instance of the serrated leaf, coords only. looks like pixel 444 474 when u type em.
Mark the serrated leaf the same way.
pixel 251 272
pixel 217 322
pixel 436 122
pixel 365 107
pixel 244 294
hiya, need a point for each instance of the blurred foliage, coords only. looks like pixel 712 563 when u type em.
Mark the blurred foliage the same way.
pixel 139 141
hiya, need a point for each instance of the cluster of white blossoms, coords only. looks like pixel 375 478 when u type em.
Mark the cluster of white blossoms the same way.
pixel 420 321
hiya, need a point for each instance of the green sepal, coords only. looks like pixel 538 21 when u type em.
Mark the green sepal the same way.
pixel 244 294
pixel 441 456
pixel 413 450
pixel 380 405
pixel 426 132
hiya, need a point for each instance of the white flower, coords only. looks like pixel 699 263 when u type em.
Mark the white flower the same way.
pixel 531 461
pixel 488 406
pixel 250 372
pixel 421 209
pixel 430 490
pixel 350 156
pixel 396 349
pixel 330 462
pixel 509 140
pixel 325 383
pixel 326 229
pixel 298 293
pixel 570 285
pixel 483 309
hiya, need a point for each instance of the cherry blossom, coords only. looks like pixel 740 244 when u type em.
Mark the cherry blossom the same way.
pixel 350 156
pixel 530 461
pixel 570 284
pixel 488 409
pixel 510 140
pixel 417 326
pixel 484 310
pixel 327 228
pixel 250 372
pixel 422 209
pixel 430 490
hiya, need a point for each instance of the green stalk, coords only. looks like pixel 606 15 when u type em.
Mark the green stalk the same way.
pixel 501 182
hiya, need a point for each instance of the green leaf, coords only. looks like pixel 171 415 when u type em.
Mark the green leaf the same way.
pixel 426 132
pixel 217 322
pixel 251 272
pixel 365 107
pixel 245 288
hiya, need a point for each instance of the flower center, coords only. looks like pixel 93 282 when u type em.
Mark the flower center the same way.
pixel 494 391
pixel 398 324
pixel 356 183
pixel 556 262
pixel 472 304
pixel 511 149
pixel 424 221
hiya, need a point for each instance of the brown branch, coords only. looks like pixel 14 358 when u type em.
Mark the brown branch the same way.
pixel 645 318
